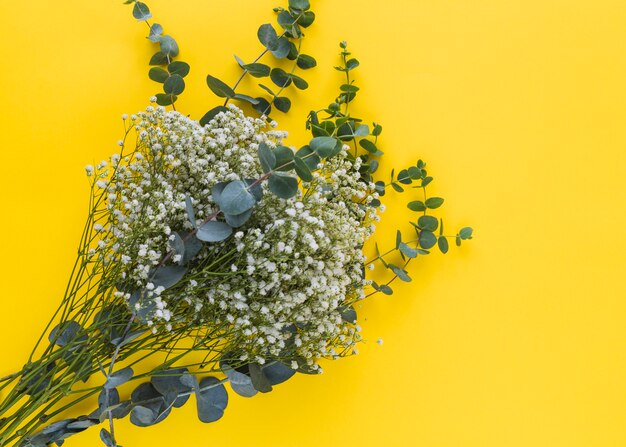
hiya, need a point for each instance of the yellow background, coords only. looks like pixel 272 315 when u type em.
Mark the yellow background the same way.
pixel 516 339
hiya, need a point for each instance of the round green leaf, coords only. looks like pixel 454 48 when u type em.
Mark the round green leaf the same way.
pixel 284 158
pixel 119 377
pixel 302 170
pixel 299 82
pixel 416 205
pixel 309 157
pixel 434 202
pixel 214 231
pixel 235 198
pixel 157 74
pixel 164 99
pixel 282 103
pixel 466 233
pixel 179 68
pixel 141 11
pixel 266 157
pixel 237 220
pixel 240 383
pixel 158 58
pixel 323 146
pixel 282 48
pixel 305 61
pixel 306 19
pixel 427 239
pixel 169 47
pixel 302 5
pixel 277 372
pixel 267 36
pixel 280 77
pixel 174 85
pixel 168 275
pixel 428 223
pixel 211 399
pixel 282 185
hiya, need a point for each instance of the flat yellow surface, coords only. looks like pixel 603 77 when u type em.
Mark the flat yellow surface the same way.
pixel 519 107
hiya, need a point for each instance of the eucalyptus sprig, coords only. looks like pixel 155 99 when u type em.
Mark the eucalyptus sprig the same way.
pixel 285 45
pixel 165 70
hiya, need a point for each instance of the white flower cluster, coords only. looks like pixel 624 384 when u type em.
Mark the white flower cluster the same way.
pixel 278 286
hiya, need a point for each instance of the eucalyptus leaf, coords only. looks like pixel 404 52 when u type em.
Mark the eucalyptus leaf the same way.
pixel 174 85
pixel 214 231
pixel 282 103
pixel 362 131
pixel 157 74
pixel 267 36
pixel 237 220
pixel 416 205
pixel 309 157
pixel 428 223
pixel 259 381
pixel 400 273
pixel 384 288
pixel 235 198
pixel 168 382
pixel 164 99
pixel 191 214
pixel 179 68
pixel 155 32
pixel 466 233
pixel 302 5
pixel 323 146
pixel 266 157
pixel 141 11
pixel 282 48
pixel 257 70
pixel 241 383
pixel 284 158
pixel 119 377
pixel 282 185
pixel 263 107
pixel 306 19
pixel 193 246
pixel 280 77
pixel 142 416
pixel 158 58
pixel 302 170
pixel 427 239
pixel 246 98
pixel 211 399
pixel 305 61
pixel 442 243
pixel 348 314
pixel 407 251
pixel 434 202
pixel 212 114
pixel 277 372
pixel 168 276
pixel 299 82
pixel 106 438
pixel 219 88
pixel 352 64
pixel 169 47
pixel 66 333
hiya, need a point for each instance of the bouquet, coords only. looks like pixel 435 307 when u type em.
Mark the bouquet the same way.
pixel 211 244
